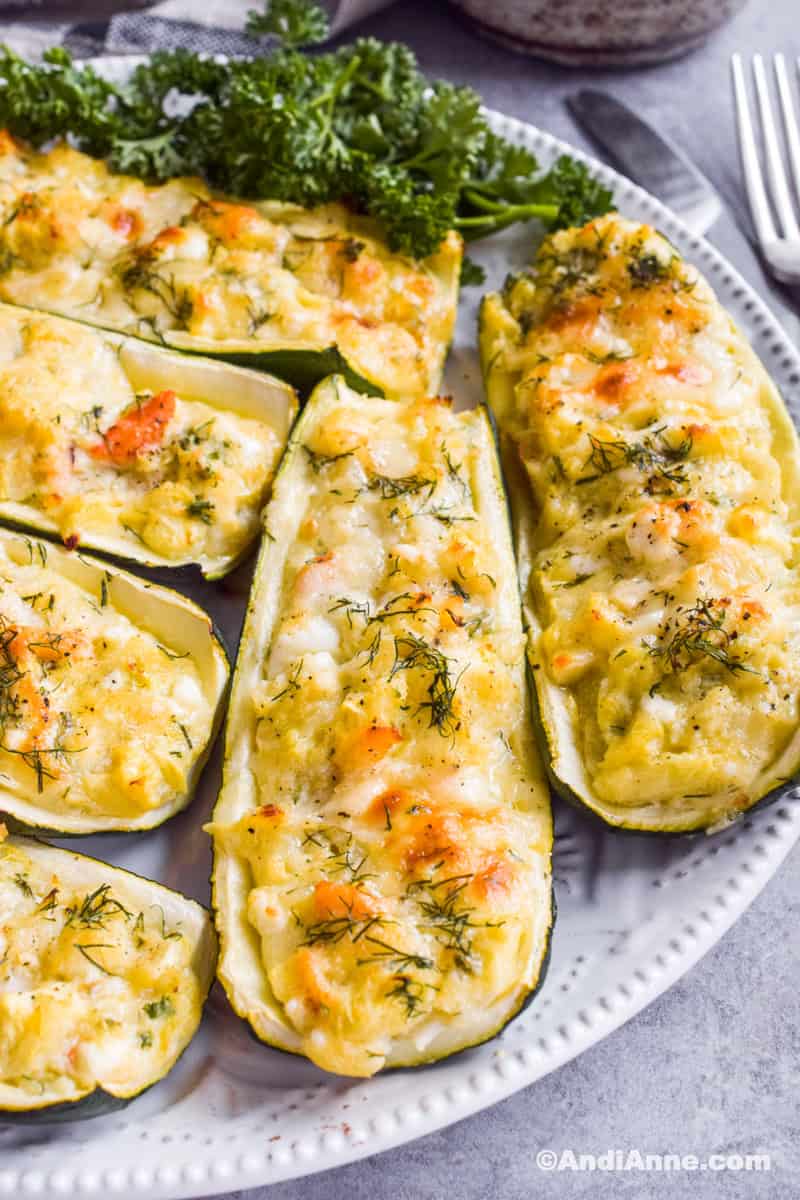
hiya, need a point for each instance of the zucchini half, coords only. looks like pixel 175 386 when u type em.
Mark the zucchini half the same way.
pixel 122 968
pixel 629 403
pixel 371 367
pixel 383 835
pixel 298 292
pixel 181 646
pixel 220 387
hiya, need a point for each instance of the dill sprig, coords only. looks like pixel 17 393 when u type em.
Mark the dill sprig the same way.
pixel 700 631
pixel 292 684
pixel 10 676
pixel 37 759
pixel 202 509
pixel 440 902
pixel 140 275
pixel 341 850
pixel 414 653
pixel 162 1007
pixel 401 959
pixel 23 885
pixel 410 993
pixel 96 908
pixel 655 455
pixel 333 930
pixel 391 487
pixel 85 947
pixel 454 472
pixel 351 608
pixel 358 608
pixel 49 902
pixel 388 609
pixel 318 462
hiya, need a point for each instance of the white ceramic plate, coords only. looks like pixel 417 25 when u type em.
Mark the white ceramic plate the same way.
pixel 634 915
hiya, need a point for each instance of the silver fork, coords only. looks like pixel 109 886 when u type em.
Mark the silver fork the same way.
pixel 780 244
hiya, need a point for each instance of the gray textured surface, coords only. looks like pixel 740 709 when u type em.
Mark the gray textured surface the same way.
pixel 713 1064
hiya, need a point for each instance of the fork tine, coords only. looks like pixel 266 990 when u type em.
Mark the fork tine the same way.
pixel 789 118
pixel 772 150
pixel 759 205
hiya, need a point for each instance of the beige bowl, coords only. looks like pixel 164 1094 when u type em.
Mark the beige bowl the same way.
pixel 599 32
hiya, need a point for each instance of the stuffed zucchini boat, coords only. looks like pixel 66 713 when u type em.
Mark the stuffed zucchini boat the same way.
pixel 110 443
pixel 103 978
pixel 111 692
pixel 383 834
pixel 657 500
pixel 298 292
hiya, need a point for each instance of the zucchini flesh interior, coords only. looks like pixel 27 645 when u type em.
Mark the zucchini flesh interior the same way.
pixel 110 693
pixel 657 497
pixel 146 454
pixel 103 977
pixel 289 288
pixel 383 834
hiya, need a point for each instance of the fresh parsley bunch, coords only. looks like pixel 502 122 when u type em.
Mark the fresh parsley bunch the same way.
pixel 360 124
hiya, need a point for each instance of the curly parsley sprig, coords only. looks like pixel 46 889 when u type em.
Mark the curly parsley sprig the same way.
pixel 360 124
pixel 294 23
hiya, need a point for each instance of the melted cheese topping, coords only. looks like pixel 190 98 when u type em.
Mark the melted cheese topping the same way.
pixel 398 859
pixel 96 715
pixel 80 445
pixel 92 990
pixel 153 261
pixel 664 571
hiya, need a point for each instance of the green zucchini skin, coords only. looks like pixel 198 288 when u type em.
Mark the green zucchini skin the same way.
pixel 276 1042
pixel 99 1102
pixel 303 369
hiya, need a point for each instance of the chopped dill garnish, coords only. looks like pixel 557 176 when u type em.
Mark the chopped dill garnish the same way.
pixel 318 462
pixel 696 632
pixel 95 909
pixel 389 609
pixel 35 759
pixel 292 684
pixel 646 269
pixel 139 274
pixel 454 472
pixel 371 651
pixel 163 1007
pixel 10 675
pixel 351 608
pixel 171 653
pixel 340 849
pixel 445 516
pixel 414 653
pixel 85 947
pixel 655 454
pixel 184 732
pixel 390 487
pixel 571 583
pixel 49 902
pixel 393 957
pixel 409 992
pixel 440 903
pixel 23 885
pixel 202 509
pixel 335 929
